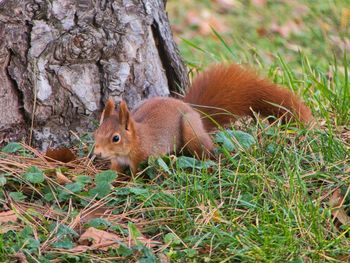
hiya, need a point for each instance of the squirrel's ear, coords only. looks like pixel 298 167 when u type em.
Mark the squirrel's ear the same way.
pixel 124 115
pixel 108 110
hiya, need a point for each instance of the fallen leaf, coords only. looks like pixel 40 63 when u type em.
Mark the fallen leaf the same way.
pixel 100 212
pixel 338 211
pixel 227 4
pixel 344 22
pixel 163 258
pixel 262 31
pixel 8 216
pixel 79 249
pixel 7 227
pixel 63 155
pixel 342 43
pixel 294 47
pixel 293 26
pixel 100 239
pixel 216 216
pixel 93 239
pixel 344 258
pixel 259 2
pixel 345 135
pixel 205 21
pixel 61 178
pixel 21 257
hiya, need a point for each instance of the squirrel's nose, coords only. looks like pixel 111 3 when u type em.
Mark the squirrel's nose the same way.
pixel 97 151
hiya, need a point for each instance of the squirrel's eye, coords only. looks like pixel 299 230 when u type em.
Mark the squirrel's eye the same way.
pixel 116 138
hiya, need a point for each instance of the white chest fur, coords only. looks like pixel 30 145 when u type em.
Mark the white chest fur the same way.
pixel 122 160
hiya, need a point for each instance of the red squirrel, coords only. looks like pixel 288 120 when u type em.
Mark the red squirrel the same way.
pixel 165 125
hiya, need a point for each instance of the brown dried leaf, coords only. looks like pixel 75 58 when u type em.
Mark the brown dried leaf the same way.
pixel 338 212
pixel 6 228
pixel 61 178
pixel 79 249
pixel 291 26
pixel 100 239
pixel 345 18
pixel 21 257
pixel 345 135
pixel 342 43
pixel 8 216
pixel 205 20
pixel 344 258
pixel 148 242
pixel 259 2
pixel 227 4
pixel 63 155
pixel 99 212
pixel 163 258
pixel 94 238
pixel 262 31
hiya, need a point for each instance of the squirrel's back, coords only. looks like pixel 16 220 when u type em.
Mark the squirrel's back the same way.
pixel 223 91
pixel 161 122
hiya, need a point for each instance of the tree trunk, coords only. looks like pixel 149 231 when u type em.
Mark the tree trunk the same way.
pixel 61 59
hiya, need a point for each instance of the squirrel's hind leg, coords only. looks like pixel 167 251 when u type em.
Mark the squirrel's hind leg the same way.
pixel 195 138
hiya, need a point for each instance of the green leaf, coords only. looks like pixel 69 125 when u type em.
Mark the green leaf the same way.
pixel 65 243
pixel 105 177
pixel 101 190
pixel 72 188
pixel 245 139
pixel 164 166
pixel 17 196
pixel 230 138
pixel 186 162
pixel 120 230
pixel 134 233
pixel 34 175
pixel 62 230
pixel 148 255
pixel 224 138
pixel 122 191
pixel 139 191
pixel 12 147
pixel 84 179
pixel 32 243
pixel 99 223
pixel 190 252
pixel 49 197
pixel 124 251
pixel 27 232
pixel 190 162
pixel 171 238
pixel 271 148
pixel 2 180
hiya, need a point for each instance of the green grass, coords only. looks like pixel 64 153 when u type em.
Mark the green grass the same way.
pixel 269 197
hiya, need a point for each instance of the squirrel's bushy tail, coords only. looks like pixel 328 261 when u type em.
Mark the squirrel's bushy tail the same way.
pixel 223 91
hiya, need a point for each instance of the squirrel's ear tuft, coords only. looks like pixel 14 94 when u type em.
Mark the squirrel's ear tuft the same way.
pixel 124 115
pixel 108 110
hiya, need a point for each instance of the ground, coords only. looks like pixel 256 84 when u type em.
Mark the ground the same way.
pixel 275 193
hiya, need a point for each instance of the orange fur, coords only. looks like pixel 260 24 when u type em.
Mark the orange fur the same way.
pixel 108 110
pixel 165 125
pixel 224 90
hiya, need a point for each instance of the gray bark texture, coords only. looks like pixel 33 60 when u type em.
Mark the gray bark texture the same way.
pixel 61 59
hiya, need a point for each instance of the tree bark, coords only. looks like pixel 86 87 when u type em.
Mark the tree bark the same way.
pixel 61 59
